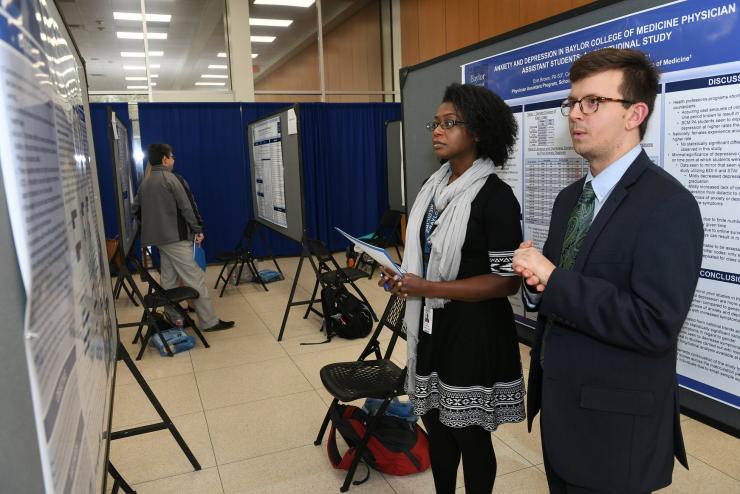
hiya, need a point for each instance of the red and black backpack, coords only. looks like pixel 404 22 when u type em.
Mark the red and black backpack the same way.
pixel 397 446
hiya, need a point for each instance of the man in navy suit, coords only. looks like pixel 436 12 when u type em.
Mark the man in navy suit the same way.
pixel 613 286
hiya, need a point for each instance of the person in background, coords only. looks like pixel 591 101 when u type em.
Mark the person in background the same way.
pixel 464 370
pixel 170 221
pixel 613 285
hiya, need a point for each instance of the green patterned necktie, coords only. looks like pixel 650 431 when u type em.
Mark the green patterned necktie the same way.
pixel 578 225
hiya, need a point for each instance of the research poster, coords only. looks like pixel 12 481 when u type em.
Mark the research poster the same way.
pixel 694 134
pixel 122 169
pixel 54 207
pixel 269 171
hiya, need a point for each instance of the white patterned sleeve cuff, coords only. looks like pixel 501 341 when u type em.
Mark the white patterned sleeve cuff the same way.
pixel 501 262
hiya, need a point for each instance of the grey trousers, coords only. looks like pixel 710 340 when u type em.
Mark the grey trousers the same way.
pixel 177 264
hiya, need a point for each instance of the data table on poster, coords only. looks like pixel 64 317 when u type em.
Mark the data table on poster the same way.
pixel 269 171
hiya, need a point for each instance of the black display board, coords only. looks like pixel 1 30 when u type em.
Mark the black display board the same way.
pixel 692 135
pixel 276 172
pixel 121 155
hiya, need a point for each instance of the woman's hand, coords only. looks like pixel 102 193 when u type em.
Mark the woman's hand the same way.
pixel 403 286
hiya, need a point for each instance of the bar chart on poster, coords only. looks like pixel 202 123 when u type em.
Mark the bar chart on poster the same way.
pixel 66 324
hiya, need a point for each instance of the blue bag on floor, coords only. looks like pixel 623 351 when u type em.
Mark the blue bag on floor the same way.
pixel 401 409
pixel 176 339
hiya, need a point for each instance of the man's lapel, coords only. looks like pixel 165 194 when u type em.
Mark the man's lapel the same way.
pixel 620 192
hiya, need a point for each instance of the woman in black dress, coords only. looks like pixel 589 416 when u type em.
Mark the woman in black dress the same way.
pixel 465 375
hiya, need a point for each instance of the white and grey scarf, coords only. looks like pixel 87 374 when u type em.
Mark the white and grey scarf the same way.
pixel 453 203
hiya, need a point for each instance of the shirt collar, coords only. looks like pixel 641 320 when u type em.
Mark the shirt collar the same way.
pixel 605 181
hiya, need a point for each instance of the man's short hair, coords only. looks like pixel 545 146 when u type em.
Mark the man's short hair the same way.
pixel 640 76
pixel 158 151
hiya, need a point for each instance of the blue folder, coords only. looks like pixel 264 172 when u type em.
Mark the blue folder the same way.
pixel 199 255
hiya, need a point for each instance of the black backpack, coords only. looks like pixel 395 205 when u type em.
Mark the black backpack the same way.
pixel 344 314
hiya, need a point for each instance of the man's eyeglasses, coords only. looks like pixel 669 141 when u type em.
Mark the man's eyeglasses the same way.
pixel 445 124
pixel 588 104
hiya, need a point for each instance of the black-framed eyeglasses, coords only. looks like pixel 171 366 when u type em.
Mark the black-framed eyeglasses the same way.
pixel 589 104
pixel 445 124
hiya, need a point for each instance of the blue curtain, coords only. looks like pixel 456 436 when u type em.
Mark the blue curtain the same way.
pixel 209 143
pixel 345 171
pixel 104 160
pixel 344 160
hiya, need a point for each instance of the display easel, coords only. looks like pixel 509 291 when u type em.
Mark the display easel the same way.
pixel 165 424
pixel 307 253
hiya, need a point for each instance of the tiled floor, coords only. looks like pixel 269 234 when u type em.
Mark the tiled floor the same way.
pixel 249 407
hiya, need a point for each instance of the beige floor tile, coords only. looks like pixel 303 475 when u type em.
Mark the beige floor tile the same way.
pixel 315 342
pixel 527 481
pixel 507 459
pixel 311 363
pixel 713 447
pixel 700 479
pixel 250 382
pixel 205 481
pixel 178 396
pixel 300 470
pixel 418 483
pixel 156 455
pixel 296 324
pixel 235 351
pixel 155 367
pixel 251 325
pixel 526 444
pixel 267 426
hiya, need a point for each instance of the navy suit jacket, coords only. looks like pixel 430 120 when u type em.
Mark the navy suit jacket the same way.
pixel 608 392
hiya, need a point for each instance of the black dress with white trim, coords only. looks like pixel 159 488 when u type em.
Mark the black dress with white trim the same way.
pixel 469 366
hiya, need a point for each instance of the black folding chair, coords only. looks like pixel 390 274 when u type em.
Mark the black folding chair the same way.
pixel 386 235
pixel 159 297
pixel 328 272
pixel 241 256
pixel 377 378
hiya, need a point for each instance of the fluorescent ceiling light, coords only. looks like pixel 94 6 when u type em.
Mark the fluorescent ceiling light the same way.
pixel 221 55
pixel 140 54
pixel 141 77
pixel 210 83
pixel 218 66
pixel 214 76
pixel 140 67
pixel 135 16
pixel 255 55
pixel 262 39
pixel 138 35
pixel 140 87
pixel 270 22
pixel 286 3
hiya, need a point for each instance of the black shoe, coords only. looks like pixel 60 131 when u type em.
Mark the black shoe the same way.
pixel 221 326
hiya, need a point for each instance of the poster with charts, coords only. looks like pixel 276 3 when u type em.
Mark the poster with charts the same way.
pixel 54 209
pixel 692 134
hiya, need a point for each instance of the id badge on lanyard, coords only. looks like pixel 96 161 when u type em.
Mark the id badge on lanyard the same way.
pixel 427 322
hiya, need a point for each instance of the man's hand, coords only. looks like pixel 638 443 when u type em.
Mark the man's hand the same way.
pixel 532 266
pixel 199 237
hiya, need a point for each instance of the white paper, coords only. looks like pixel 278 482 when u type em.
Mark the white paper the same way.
pixel 380 255
pixel 292 122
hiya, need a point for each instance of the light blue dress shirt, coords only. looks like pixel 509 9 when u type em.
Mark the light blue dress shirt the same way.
pixel 603 184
